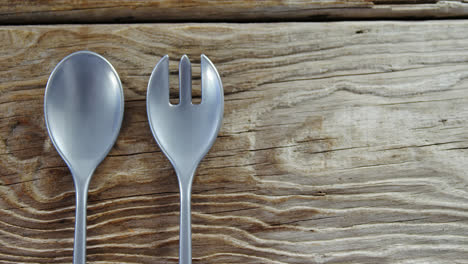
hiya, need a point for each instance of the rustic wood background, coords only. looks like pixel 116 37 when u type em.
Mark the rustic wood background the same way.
pixel 112 11
pixel 342 142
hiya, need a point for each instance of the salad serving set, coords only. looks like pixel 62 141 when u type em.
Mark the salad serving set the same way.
pixel 84 106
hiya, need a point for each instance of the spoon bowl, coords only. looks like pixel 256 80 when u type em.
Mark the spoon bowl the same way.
pixel 83 108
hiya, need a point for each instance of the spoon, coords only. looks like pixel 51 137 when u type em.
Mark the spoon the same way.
pixel 83 108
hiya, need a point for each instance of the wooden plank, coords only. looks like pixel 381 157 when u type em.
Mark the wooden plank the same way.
pixel 341 143
pixel 98 11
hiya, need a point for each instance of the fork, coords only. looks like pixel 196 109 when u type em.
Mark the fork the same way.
pixel 185 132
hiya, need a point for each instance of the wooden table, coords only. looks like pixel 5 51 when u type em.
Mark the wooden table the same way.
pixel 342 142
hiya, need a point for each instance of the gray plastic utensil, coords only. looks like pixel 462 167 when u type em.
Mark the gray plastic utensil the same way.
pixel 185 132
pixel 83 107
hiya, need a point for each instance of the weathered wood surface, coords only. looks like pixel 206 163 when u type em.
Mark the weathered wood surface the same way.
pixel 100 11
pixel 341 143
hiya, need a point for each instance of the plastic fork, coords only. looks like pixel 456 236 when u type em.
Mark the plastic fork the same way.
pixel 185 132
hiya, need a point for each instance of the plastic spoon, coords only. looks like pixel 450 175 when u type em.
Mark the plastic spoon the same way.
pixel 83 107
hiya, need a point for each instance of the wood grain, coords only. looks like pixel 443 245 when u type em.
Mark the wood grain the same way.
pixel 112 11
pixel 341 143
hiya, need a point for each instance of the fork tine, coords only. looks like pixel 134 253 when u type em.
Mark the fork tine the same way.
pixel 185 80
pixel 212 88
pixel 158 86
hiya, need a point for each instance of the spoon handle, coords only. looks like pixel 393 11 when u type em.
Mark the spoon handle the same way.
pixel 185 235
pixel 79 247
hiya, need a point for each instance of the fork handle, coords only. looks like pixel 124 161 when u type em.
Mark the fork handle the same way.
pixel 185 235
